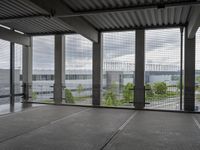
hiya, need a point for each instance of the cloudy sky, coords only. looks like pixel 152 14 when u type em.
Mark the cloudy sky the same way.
pixel 162 47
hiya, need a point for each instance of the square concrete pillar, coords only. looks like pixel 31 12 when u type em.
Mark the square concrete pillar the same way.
pixel 27 59
pixel 12 73
pixel 139 101
pixel 189 74
pixel 59 74
pixel 97 69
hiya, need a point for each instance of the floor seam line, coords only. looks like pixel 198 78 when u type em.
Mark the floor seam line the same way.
pixel 196 122
pixel 118 130
pixel 50 123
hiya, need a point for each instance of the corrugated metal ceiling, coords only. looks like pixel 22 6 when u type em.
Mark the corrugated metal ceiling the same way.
pixel 142 18
pixel 32 25
pixel 130 19
pixel 101 21
pixel 85 5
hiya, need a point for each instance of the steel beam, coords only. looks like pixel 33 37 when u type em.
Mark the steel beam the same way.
pixel 57 8
pixel 14 37
pixel 194 22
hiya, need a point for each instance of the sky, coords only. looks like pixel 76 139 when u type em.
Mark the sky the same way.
pixel 162 47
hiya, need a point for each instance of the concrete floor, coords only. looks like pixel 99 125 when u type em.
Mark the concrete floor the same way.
pixel 79 128
pixel 7 108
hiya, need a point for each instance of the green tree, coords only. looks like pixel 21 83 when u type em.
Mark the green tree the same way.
pixel 110 98
pixel 149 90
pixel 80 89
pixel 198 79
pixel 128 92
pixel 160 88
pixel 113 87
pixel 34 95
pixel 68 96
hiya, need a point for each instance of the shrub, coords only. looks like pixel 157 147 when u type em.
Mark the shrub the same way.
pixel 68 96
pixel 128 92
pixel 160 88
pixel 80 89
pixel 149 91
pixel 34 95
pixel 110 98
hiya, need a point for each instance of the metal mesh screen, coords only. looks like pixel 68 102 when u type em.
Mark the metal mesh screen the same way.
pixel 118 68
pixel 43 68
pixel 162 69
pixel 197 72
pixel 78 70
pixel 18 72
pixel 4 71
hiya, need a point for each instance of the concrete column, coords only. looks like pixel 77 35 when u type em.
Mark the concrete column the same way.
pixel 27 71
pixel 97 66
pixel 139 101
pixel 189 75
pixel 12 73
pixel 59 68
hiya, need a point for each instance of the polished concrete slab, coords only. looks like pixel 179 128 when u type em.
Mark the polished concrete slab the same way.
pixel 18 106
pixel 16 124
pixel 158 131
pixel 79 128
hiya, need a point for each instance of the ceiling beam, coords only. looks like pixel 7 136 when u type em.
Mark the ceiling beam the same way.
pixel 152 27
pixel 194 22
pixel 15 37
pixel 78 24
pixel 145 28
pixel 21 18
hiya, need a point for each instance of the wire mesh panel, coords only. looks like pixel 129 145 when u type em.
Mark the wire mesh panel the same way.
pixel 118 68
pixel 18 72
pixel 197 72
pixel 162 69
pixel 43 68
pixel 78 70
pixel 4 71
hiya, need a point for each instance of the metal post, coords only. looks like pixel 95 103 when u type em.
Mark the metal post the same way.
pixel 189 75
pixel 181 70
pixel 12 73
pixel 59 73
pixel 97 62
pixel 139 101
pixel 27 55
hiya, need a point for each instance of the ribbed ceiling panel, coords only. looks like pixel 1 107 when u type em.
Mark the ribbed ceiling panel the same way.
pixel 142 18
pixel 150 17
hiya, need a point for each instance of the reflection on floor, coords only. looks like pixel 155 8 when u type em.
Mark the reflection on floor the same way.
pixel 7 108
pixel 78 128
